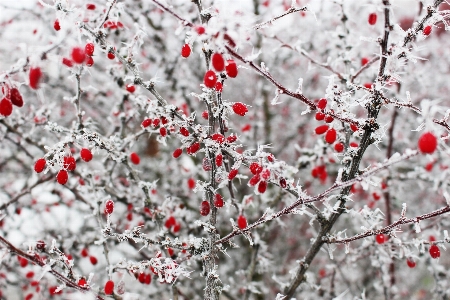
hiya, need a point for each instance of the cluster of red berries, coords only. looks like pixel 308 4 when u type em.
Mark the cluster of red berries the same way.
pixel 85 253
pixel 80 55
pixel 112 25
pixel 171 223
pixel 12 97
pixel 156 122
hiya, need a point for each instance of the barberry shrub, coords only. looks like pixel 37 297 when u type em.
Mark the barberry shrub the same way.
pixel 220 149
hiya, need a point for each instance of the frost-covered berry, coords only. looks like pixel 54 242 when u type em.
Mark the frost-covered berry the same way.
pixel 320 116
pixel 339 147
pixel 242 222
pixel 35 77
pixel 93 260
pixel 372 19
pixel 56 25
pixel 184 131
pixel 163 131
pixel 380 238
pixel 219 159
pixel 177 153
pixel 231 139
pixel 427 143
pixel 109 287
pixel 6 107
pixel 255 168
pixel 193 148
pixel 111 55
pixel 89 61
pixel 16 97
pixel 330 136
pixel 109 207
pixel 321 129
pixel 78 55
pixel 328 119
pixel 411 263
pixel 218 202
pixel 62 177
pixel 262 186
pixel 240 109
pixel 89 49
pixel 434 251
pixel 322 103
pixel 232 174
pixel 218 62
pixel 205 208
pixel 364 61
pixel 134 158
pixel 130 88
pixel 210 79
pixel 86 154
pixel 70 163
pixel 186 50
pixel 427 30
pixel 200 30
pixel 231 68
pixel 205 115
pixel 90 6
pixel 146 123
pixel 219 87
pixel 283 183
pixel 191 183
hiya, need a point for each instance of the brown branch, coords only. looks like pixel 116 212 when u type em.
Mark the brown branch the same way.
pixel 287 12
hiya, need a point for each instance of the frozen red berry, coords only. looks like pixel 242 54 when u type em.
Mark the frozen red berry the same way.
pixel 82 282
pixel 427 30
pixel 262 186
pixel 35 77
pixel 186 50
pixel 200 30
pixel 184 131
pixel 62 177
pixel 16 97
pixel 353 127
pixel 255 168
pixel 109 207
pixel 70 163
pixel 146 123
pixel 210 79
pixel 328 119
pixel 163 131
pixel 89 49
pixel 364 61
pixel 130 88
pixel 84 252
pixel 380 238
pixel 78 55
pixel 218 62
pixel 219 87
pixel 231 68
pixel 232 174
pixel 67 62
pixel 219 159
pixel 372 19
pixel 56 25
pixel 6 107
pixel 231 139
pixel 205 115
pixel 86 154
pixel 109 287
pixel 427 143
pixel 90 6
pixel 134 158
pixel 240 109
pixel 434 251
pixel 191 183
pixel 242 222
pixel 320 116
pixel 368 85
pixel 330 136
pixel 321 129
pixel 218 202
pixel 89 61
pixel 156 122
pixel 322 103
pixel 283 183
pixel 218 138
pixel 93 260
pixel 111 55
pixel 177 153
pixel 193 148
pixel 40 245
pixel 411 263
pixel 204 208
pixel 339 147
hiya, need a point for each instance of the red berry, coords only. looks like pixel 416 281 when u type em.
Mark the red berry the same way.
pixel 109 287
pixel 364 61
pixel 240 108
pixel 111 55
pixel 330 136
pixel 232 174
pixel 89 49
pixel 353 127
pixel 219 87
pixel 206 164
pixel 170 222
pixel 380 238
pixel 427 30
pixel 62 177
pixel 434 251
pixel 35 77
pixel 22 261
pixel 6 107
pixel 16 97
pixel 146 123
pixel 82 282
pixel 176 228
pixel 329 119
pixel 130 88
pixel 84 252
pixel 321 129
pixel 184 131
pixel 283 183
pixel 177 153
pixel 231 68
pixel 219 159
pixel 376 197
pixel 67 62
pixel 155 122
pixel 254 180
pixel 427 143
pixel 89 61
pixel 78 55
pixel 69 163
pixel 218 202
pixel 354 145
pixel 135 159
pixel 86 154
pixel 200 30
pixel 40 245
pixel 231 139
pixel 242 222
pixel 93 260
pixel 142 277
pixel 270 157
pixel 255 168
pixel 30 274
pixel 410 263
pixel 320 116
pixel 109 207
pixel 210 79
pixel 368 85
pixel 322 103
pixel 204 208
pixel 262 186
pixel 191 183
pixel 56 25
pixel 372 18
pixel 339 147
pixel 163 131
pixel 193 148
pixel 429 166
pixel 90 6
pixel 185 50
pixel 218 138
pixel 205 115
pixel 218 62
pixel 148 278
